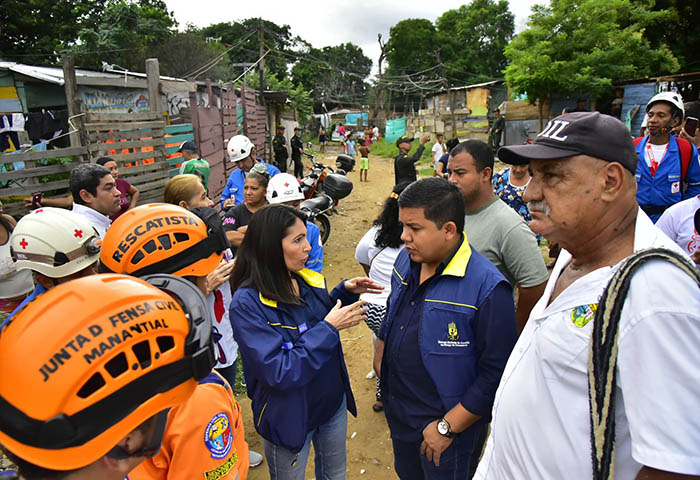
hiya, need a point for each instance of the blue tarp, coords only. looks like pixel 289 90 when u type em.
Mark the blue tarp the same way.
pixel 353 118
pixel 394 129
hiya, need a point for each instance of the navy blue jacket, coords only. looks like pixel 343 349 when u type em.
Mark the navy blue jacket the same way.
pixel 463 351
pixel 282 354
pixel 665 188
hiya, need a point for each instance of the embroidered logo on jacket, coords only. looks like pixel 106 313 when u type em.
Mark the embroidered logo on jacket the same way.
pixel 452 332
pixel 452 337
pixel 217 436
pixel 583 314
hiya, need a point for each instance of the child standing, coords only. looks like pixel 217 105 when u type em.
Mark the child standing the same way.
pixel 350 146
pixel 322 139
pixel 364 160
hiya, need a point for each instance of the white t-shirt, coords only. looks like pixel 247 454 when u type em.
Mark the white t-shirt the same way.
pixel 541 424
pixel 657 151
pixel 678 223
pixel 381 262
pixel 438 152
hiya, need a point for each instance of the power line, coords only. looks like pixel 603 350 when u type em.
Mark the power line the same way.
pixel 210 64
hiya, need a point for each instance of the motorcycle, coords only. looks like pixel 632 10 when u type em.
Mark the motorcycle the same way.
pixel 322 192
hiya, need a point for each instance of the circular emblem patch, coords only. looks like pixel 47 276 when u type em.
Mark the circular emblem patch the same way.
pixel 218 436
pixel 583 314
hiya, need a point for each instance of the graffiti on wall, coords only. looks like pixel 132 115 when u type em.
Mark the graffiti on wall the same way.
pixel 120 100
pixel 114 100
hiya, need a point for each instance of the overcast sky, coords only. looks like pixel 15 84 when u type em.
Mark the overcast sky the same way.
pixel 328 23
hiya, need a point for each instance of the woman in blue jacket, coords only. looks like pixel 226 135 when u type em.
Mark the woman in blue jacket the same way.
pixel 286 324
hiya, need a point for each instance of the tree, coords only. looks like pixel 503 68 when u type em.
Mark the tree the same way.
pixel 39 30
pixel 299 98
pixel 335 75
pixel 414 61
pixel 679 30
pixel 411 46
pixel 582 47
pixel 242 36
pixel 126 35
pixel 473 38
pixel 187 55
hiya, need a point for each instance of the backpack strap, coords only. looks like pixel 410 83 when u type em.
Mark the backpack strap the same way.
pixel 686 151
pixel 602 358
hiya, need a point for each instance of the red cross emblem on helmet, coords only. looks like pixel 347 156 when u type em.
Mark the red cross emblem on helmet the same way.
pixel 78 233
pixel 24 243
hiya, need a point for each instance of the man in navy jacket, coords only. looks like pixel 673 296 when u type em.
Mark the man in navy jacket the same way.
pixel 448 331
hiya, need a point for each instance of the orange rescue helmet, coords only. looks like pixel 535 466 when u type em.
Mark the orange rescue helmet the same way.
pixel 87 362
pixel 161 238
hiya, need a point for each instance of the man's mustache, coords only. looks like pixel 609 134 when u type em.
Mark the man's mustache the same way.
pixel 539 206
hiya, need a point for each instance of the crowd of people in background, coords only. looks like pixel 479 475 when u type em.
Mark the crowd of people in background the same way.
pixel 488 364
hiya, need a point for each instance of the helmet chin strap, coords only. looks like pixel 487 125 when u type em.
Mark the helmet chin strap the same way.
pixel 663 130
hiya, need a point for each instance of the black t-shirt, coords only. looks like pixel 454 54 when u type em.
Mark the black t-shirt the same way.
pixel 236 217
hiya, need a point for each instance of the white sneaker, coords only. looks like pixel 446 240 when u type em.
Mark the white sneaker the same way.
pixel 255 459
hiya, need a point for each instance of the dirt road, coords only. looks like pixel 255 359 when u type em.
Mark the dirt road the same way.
pixel 369 447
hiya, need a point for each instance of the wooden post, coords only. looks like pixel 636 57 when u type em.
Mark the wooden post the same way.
pixel 452 114
pixel 153 80
pixel 195 119
pixel 210 94
pixel 261 66
pixel 78 138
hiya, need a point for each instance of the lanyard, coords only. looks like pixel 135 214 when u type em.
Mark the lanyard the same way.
pixel 654 164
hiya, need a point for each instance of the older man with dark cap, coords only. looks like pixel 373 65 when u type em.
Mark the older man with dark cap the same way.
pixel 644 343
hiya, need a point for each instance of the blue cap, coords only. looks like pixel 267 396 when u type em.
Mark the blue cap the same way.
pixel 189 145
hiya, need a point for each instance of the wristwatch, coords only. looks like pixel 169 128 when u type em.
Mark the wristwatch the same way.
pixel 444 429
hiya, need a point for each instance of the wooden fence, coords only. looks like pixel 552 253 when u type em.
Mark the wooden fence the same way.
pixel 36 171
pixel 136 140
pixel 175 135
pixel 143 145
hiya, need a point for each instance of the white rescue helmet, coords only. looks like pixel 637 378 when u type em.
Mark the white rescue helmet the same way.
pixel 673 98
pixel 55 242
pixel 239 148
pixel 284 187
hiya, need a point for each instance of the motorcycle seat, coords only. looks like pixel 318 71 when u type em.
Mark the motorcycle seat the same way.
pixel 317 203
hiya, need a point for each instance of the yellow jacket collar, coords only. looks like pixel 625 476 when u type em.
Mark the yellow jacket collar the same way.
pixel 313 279
pixel 267 301
pixel 458 265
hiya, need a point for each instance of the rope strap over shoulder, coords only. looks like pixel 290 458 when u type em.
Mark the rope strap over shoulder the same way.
pixel 602 360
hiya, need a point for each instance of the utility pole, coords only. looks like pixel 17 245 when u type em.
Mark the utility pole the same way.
pixel 261 65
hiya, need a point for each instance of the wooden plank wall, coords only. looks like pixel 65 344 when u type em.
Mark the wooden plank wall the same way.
pixel 137 142
pixel 231 125
pixel 255 120
pixel 175 135
pixel 212 148
pixel 34 177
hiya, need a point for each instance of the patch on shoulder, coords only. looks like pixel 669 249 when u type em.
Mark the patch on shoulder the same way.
pixel 222 470
pixel 583 314
pixel 218 436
